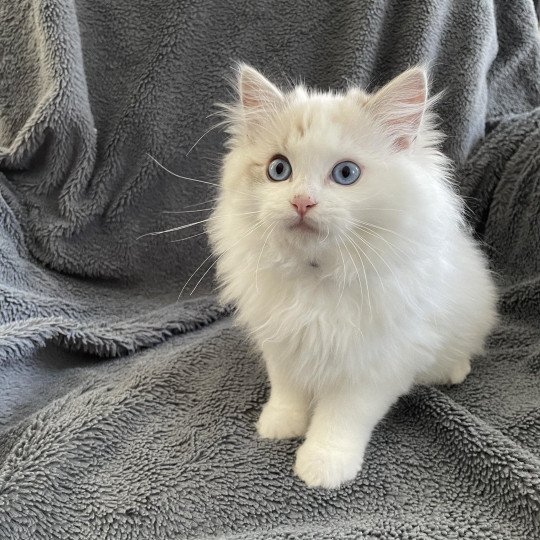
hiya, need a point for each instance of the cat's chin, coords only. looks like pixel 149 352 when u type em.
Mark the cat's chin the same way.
pixel 303 228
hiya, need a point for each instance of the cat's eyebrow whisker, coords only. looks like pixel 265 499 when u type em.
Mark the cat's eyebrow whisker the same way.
pixel 259 224
pixel 251 195
pixel 219 124
pixel 180 176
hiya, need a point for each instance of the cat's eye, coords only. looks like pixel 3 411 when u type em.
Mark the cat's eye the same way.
pixel 346 173
pixel 279 169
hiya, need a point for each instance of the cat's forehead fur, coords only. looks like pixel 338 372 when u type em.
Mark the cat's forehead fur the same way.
pixel 312 125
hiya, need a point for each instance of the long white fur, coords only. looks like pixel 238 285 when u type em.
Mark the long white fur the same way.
pixel 390 292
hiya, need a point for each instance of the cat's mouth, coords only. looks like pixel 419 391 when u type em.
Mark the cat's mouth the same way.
pixel 303 227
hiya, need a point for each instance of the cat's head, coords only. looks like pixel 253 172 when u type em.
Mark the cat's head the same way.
pixel 315 168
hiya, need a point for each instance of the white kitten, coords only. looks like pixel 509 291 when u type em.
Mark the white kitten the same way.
pixel 343 246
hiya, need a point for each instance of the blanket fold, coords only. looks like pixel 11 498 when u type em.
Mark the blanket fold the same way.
pixel 127 412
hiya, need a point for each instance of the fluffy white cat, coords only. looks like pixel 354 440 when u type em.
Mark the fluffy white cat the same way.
pixel 343 246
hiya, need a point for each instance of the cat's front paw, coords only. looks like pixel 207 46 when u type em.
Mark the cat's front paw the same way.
pixel 326 467
pixel 282 422
pixel 459 372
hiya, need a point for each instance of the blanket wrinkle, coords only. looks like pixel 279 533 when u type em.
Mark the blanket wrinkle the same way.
pixel 127 412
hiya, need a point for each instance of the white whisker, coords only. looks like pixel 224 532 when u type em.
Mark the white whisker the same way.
pixel 259 224
pixel 203 202
pixel 359 250
pixel 180 176
pixel 155 233
pixel 360 281
pixel 392 246
pixel 397 281
pixel 260 254
pixel 188 211
pixel 344 272
pixel 186 238
pixel 367 224
pixel 327 235
pixel 203 136
pixel 251 195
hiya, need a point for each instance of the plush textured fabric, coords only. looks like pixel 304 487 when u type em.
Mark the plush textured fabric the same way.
pixel 127 414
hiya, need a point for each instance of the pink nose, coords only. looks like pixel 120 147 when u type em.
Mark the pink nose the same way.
pixel 302 204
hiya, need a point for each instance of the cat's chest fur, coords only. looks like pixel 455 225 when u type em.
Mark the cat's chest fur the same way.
pixel 321 320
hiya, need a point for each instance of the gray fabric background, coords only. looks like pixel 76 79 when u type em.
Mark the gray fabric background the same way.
pixel 127 414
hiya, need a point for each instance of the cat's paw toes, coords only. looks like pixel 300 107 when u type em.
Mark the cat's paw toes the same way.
pixel 282 422
pixel 324 467
pixel 459 372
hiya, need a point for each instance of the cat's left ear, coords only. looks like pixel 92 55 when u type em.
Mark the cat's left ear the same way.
pixel 257 93
pixel 400 106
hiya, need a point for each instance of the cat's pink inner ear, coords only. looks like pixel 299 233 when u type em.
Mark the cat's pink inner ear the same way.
pixel 400 106
pixel 256 91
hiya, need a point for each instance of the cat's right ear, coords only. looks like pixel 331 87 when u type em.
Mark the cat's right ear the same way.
pixel 400 106
pixel 257 93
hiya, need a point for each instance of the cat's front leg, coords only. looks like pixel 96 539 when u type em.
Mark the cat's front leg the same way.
pixel 342 423
pixel 286 413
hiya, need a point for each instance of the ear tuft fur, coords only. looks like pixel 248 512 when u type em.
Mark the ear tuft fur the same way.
pixel 400 106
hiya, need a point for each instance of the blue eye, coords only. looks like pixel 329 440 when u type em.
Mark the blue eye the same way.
pixel 346 173
pixel 279 169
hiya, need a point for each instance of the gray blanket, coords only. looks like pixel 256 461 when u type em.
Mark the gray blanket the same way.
pixel 125 413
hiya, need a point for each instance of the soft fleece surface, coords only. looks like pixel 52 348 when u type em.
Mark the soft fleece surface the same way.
pixel 127 414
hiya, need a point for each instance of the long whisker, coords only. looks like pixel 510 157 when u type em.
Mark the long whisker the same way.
pixel 359 280
pixel 260 254
pixel 191 225
pixel 208 202
pixel 367 224
pixel 343 288
pixel 155 233
pixel 389 209
pixel 180 176
pixel 252 195
pixel 392 246
pixel 203 202
pixel 368 245
pixel 397 281
pixel 327 234
pixel 259 224
pixel 188 211
pixel 203 136
pixel 187 237
pixel 344 271
pixel 359 250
